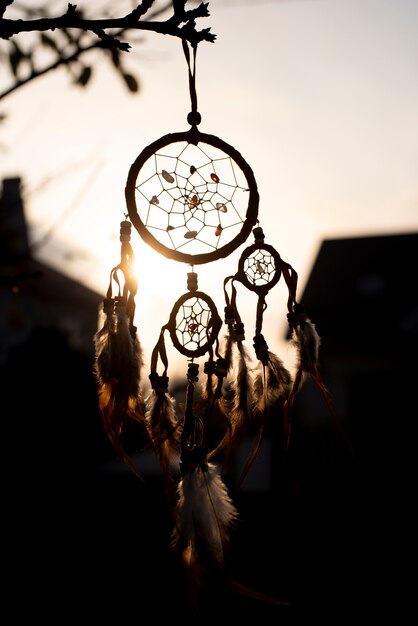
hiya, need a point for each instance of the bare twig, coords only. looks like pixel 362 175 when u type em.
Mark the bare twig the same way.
pixel 175 26
pixel 180 24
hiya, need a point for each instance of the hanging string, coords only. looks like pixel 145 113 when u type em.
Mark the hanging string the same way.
pixel 238 361
pixel 194 118
pixel 204 513
pixel 118 353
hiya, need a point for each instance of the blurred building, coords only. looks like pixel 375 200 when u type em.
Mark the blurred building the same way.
pixel 32 294
pixel 362 295
pixel 47 325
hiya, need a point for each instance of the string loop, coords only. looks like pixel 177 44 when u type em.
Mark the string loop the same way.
pixel 194 118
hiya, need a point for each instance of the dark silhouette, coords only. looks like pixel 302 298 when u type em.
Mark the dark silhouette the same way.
pixel 319 539
pixel 66 39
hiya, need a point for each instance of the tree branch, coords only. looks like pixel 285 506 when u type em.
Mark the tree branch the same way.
pixel 61 61
pixel 172 26
pixel 71 19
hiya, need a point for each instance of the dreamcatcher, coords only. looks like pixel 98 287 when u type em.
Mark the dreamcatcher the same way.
pixel 194 199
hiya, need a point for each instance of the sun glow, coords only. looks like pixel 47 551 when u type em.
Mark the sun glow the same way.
pixel 161 282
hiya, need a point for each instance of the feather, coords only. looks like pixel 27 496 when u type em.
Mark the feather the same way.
pixel 117 367
pixel 276 382
pixel 103 360
pixel 217 418
pixel 126 354
pixel 239 409
pixel 205 515
pixel 226 411
pixel 271 389
pixel 242 391
pixel 307 341
pixel 161 422
pixel 160 416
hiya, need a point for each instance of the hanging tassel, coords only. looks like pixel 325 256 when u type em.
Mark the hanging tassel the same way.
pixel 118 354
pixel 204 511
pixel 160 414
pixel 102 346
pixel 241 386
pixel 117 368
pixel 160 418
pixel 239 407
pixel 271 389
pixel 307 341
pixel 272 384
pixel 204 517
pixel 214 416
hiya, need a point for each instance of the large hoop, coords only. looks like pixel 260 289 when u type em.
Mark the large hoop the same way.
pixel 195 204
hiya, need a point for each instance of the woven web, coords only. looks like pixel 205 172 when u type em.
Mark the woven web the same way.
pixel 192 329
pixel 192 199
pixel 260 268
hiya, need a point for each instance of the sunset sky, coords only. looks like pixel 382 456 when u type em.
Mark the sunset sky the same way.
pixel 319 96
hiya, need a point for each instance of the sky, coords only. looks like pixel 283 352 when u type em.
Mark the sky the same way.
pixel 320 97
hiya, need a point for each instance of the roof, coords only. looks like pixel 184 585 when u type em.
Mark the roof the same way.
pixel 363 291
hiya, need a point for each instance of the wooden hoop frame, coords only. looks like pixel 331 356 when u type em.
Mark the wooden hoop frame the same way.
pixel 216 323
pixel 192 136
pixel 242 277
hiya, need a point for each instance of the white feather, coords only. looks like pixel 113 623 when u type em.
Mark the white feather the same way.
pixel 204 511
pixel 307 340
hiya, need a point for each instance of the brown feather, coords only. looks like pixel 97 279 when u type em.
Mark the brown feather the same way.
pixel 307 342
pixel 117 368
pixel 271 390
pixel 160 419
pixel 238 409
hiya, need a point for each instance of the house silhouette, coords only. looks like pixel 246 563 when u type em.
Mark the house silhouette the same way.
pixel 34 295
pixel 362 294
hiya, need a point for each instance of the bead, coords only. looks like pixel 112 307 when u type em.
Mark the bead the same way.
pixel 229 314
pixel 239 333
pixel 192 281
pixel 221 367
pixel 159 383
pixel 209 367
pixel 192 372
pixel 108 304
pixel 167 177
pixel 191 234
pixel 194 118
pixel 258 233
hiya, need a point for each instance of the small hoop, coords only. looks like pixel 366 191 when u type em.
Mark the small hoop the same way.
pixel 203 320
pixel 258 271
